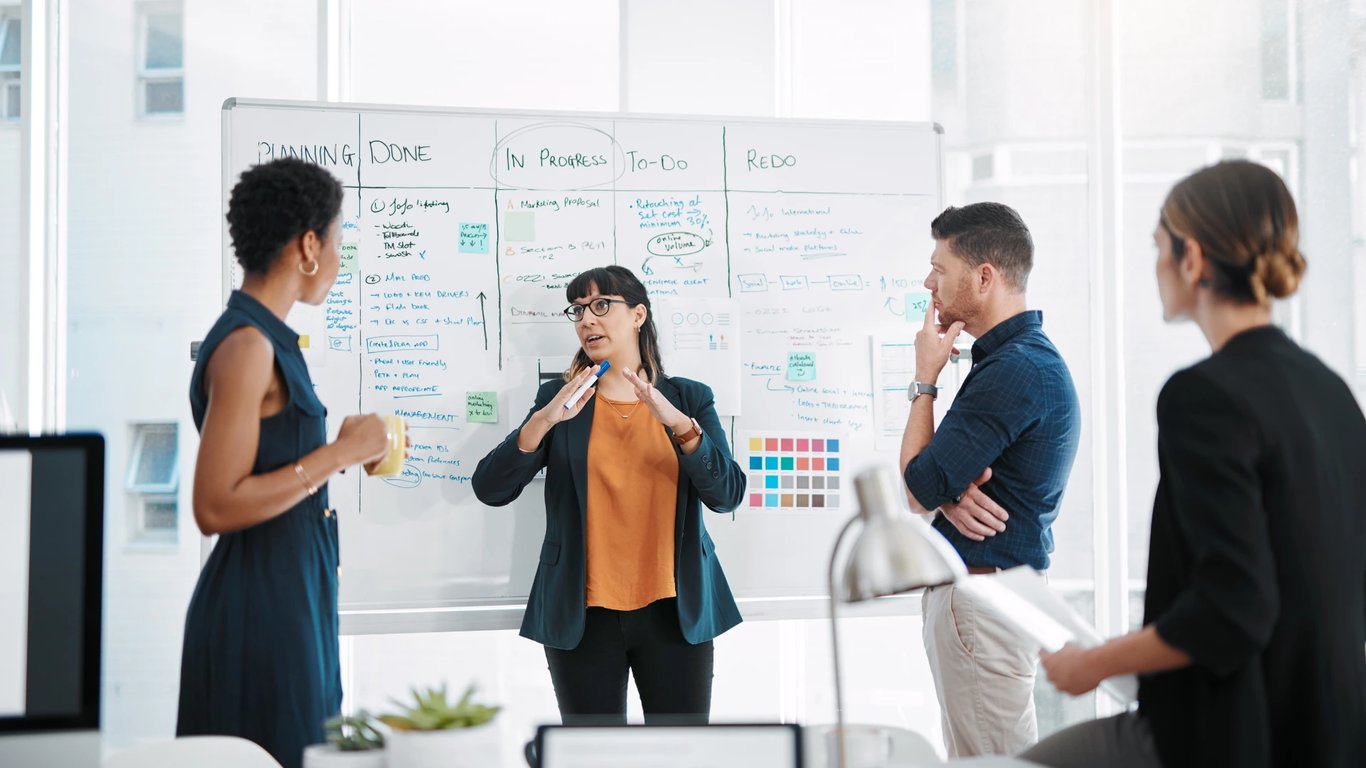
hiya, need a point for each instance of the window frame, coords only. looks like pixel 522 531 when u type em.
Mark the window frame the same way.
pixel 145 76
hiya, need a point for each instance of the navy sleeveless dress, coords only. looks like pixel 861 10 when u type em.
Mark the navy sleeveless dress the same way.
pixel 260 658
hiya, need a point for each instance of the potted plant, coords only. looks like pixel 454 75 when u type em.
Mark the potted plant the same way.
pixel 352 742
pixel 431 732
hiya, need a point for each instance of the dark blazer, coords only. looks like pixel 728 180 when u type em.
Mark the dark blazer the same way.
pixel 1257 562
pixel 557 604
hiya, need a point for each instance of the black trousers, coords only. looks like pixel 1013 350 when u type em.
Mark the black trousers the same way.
pixel 672 676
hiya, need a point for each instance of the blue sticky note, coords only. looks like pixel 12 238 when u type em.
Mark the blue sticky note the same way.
pixel 801 366
pixel 474 238
pixel 770 481
pixel 917 304
pixel 770 462
pixel 833 446
pixel 770 500
pixel 832 464
pixel 756 462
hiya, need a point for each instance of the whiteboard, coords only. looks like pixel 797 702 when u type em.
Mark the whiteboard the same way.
pixel 785 259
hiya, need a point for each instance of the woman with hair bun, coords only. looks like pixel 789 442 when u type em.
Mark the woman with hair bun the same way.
pixel 1252 650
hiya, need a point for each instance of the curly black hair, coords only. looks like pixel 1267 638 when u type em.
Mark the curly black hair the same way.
pixel 276 202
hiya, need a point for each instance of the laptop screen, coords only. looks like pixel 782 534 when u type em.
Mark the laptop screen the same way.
pixel 670 746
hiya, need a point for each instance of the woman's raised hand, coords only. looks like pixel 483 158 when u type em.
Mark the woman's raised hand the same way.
pixel 660 407
pixel 554 412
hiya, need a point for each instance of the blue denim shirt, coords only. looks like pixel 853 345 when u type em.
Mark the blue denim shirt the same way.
pixel 1016 412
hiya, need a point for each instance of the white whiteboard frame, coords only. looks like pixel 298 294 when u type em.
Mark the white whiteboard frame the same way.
pixel 485 616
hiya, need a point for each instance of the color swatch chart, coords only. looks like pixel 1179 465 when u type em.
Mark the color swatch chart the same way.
pixel 792 472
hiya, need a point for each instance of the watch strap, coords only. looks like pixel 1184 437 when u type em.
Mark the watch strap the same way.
pixel 918 388
pixel 687 435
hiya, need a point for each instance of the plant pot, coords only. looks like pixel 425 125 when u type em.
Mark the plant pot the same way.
pixel 476 747
pixel 328 756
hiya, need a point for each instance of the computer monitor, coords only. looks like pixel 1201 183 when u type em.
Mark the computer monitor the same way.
pixel 728 745
pixel 51 555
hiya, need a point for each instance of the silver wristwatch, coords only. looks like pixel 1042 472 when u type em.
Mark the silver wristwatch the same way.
pixel 918 388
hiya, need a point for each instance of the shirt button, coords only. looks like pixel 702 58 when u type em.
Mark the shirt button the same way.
pixel 327 512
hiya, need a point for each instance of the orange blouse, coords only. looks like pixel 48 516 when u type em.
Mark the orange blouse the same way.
pixel 632 495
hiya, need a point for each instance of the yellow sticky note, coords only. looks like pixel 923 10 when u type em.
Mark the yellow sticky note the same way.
pixel 756 443
pixel 303 341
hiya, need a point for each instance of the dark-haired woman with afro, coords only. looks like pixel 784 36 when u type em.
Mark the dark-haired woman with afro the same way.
pixel 628 578
pixel 260 657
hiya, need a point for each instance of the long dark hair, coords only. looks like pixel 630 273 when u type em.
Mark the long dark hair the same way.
pixel 618 281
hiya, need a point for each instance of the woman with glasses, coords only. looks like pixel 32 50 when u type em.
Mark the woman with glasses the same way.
pixel 260 657
pixel 628 580
pixel 1253 649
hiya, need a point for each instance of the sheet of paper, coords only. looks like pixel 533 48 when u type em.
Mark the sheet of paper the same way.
pixel 700 339
pixel 1022 597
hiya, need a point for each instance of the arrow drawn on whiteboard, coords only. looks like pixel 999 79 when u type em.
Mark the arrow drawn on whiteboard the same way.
pixel 483 320
pixel 768 384
pixel 888 306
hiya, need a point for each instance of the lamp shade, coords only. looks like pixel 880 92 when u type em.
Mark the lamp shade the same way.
pixel 896 551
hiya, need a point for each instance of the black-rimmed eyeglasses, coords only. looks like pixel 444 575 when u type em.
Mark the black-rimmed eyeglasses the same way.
pixel 599 306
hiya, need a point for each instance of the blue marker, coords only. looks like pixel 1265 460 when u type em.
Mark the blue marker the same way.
pixel 569 404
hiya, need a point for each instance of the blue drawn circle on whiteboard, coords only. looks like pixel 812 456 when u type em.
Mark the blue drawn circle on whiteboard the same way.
pixel 678 318
pixel 410 477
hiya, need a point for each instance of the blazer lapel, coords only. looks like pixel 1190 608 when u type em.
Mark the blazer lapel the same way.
pixel 670 391
pixel 576 437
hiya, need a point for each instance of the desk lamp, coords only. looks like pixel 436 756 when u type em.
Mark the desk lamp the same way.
pixel 895 552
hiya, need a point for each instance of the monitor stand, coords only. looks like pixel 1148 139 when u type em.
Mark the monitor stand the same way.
pixel 53 749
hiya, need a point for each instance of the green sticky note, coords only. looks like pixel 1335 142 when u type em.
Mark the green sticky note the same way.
pixel 350 254
pixel 519 226
pixel 801 366
pixel 481 407
pixel 917 304
pixel 474 238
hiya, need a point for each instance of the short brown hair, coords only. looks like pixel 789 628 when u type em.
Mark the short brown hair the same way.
pixel 1244 219
pixel 988 233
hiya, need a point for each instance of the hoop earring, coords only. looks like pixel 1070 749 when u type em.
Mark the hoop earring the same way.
pixel 308 274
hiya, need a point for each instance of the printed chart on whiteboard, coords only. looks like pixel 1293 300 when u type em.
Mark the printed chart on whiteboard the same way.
pixel 793 471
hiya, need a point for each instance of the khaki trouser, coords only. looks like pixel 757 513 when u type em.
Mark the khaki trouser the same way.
pixel 983 674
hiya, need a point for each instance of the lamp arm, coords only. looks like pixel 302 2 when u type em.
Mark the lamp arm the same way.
pixel 835 638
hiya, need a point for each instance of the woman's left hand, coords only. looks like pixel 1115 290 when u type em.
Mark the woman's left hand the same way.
pixel 1073 670
pixel 660 408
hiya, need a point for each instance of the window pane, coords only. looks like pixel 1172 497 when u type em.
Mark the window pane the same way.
pixel 164 43
pixel 10 43
pixel 156 462
pixel 159 514
pixel 944 48
pixel 1275 50
pixel 13 99
pixel 165 97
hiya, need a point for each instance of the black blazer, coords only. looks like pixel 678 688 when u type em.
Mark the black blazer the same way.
pixel 1257 567
pixel 557 604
